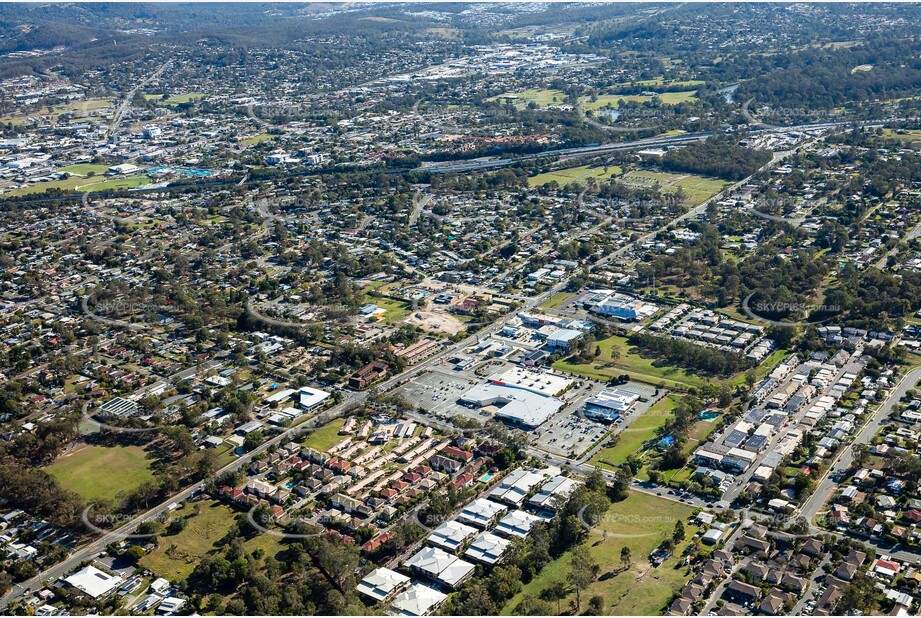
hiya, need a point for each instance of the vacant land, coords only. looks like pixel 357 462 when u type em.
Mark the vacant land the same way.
pixel 604 367
pixel 575 174
pixel 102 472
pixel 326 436
pixel 176 555
pixel 640 522
pixel 633 438
pixel 697 188
pixel 556 300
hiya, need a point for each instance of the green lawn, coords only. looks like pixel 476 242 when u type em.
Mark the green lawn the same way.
pixel 185 98
pixel 97 472
pixel 326 436
pixel 85 168
pixel 574 174
pixel 639 368
pixel 541 96
pixel 176 556
pixel 911 137
pixel 640 522
pixel 635 435
pixel 78 183
pixel 697 188
pixel 556 300
pixel 613 100
pixel 257 139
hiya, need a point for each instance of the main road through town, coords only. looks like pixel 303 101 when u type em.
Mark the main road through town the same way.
pixel 86 552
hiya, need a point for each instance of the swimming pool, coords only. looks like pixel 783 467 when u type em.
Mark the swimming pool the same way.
pixel 486 477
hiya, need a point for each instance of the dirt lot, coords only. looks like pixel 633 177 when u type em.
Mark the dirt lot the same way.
pixel 435 321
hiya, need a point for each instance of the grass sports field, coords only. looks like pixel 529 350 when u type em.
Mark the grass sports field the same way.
pixel 640 522
pixel 79 183
pixel 642 369
pixel 574 174
pixel 613 100
pixel 88 471
pixel 256 139
pixel 540 96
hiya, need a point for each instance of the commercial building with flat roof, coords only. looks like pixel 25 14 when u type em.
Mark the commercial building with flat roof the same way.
pixel 515 406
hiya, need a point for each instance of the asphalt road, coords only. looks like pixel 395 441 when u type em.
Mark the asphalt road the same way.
pixel 845 458
pixel 94 547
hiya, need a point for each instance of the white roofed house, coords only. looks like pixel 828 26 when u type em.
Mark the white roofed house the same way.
pixel 481 513
pixel 94 583
pixel 517 523
pixel 514 488
pixel 451 535
pixel 487 548
pixel 383 584
pixel 553 492
pixel 418 600
pixel 440 566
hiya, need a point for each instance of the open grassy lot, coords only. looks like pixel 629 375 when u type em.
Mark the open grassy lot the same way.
pixel 256 139
pixel 556 300
pixel 78 183
pixel 541 96
pixel 633 438
pixel 176 555
pixel 911 137
pixel 97 472
pixel 640 522
pixel 639 368
pixel 613 100
pixel 697 188
pixel 396 309
pixel 574 174
pixel 185 98
pixel 76 109
pixel 326 436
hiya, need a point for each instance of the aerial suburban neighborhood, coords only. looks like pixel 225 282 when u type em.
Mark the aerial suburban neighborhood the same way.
pixel 419 309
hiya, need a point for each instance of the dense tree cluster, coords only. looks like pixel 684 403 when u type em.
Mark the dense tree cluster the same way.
pixel 690 355
pixel 719 155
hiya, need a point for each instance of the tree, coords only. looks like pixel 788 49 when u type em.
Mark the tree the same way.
pixel 134 554
pixel 583 570
pixel 596 605
pixel 678 534
pixel 625 557
pixel 253 440
pixel 555 592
